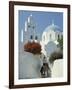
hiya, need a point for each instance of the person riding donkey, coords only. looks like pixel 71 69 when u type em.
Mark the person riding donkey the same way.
pixel 45 70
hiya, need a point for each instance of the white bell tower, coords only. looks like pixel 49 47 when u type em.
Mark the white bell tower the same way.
pixel 30 29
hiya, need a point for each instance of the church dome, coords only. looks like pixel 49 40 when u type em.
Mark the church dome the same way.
pixel 52 27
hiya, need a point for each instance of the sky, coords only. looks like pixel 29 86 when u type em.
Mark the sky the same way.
pixel 42 19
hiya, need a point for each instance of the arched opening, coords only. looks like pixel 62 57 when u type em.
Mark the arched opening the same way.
pixel 50 36
pixel 36 38
pixel 31 37
pixel 58 37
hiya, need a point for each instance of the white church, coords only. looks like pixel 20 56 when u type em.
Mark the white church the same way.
pixel 29 32
pixel 49 39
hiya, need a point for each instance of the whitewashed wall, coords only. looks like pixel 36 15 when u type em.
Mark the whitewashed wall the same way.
pixel 29 66
pixel 57 69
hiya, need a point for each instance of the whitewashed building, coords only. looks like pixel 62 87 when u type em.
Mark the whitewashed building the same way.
pixel 49 38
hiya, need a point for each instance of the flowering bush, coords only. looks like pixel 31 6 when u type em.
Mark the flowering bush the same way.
pixel 33 47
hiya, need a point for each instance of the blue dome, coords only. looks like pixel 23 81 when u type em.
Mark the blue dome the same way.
pixel 52 27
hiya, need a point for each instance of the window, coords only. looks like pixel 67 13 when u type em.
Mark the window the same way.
pixel 31 37
pixel 58 37
pixel 36 38
pixel 50 36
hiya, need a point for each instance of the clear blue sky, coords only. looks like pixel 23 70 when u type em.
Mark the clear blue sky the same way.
pixel 43 19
